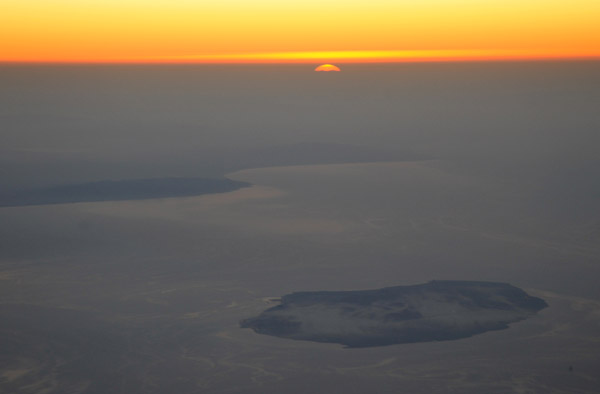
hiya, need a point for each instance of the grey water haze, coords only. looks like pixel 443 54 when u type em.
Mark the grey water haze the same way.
pixel 378 176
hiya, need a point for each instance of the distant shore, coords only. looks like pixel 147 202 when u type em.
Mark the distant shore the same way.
pixel 121 190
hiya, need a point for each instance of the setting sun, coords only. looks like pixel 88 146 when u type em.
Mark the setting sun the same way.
pixel 327 67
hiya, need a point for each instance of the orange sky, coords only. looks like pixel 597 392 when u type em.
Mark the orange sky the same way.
pixel 296 30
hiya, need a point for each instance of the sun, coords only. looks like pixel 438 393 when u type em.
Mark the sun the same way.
pixel 327 67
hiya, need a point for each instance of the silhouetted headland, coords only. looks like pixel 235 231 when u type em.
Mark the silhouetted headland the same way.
pixel 130 189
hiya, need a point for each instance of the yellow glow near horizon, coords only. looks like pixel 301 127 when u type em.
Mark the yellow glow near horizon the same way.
pixel 327 68
pixel 296 31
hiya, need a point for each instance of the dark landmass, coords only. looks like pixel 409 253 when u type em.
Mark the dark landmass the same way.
pixel 435 311
pixel 42 169
pixel 130 189
pixel 29 169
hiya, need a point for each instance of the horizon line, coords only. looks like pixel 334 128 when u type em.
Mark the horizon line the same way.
pixel 304 57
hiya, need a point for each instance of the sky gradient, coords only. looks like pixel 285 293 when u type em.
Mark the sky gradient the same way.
pixel 296 31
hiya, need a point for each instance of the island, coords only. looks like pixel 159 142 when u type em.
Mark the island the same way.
pixel 434 311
